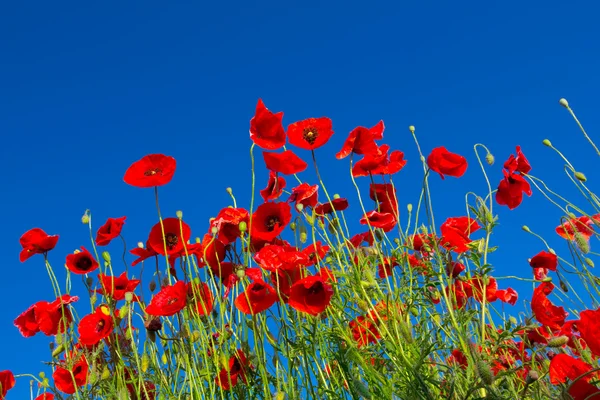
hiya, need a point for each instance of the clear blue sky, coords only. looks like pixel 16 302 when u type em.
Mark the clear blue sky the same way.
pixel 87 89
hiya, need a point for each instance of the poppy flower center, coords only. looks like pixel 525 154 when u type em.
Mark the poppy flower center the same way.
pixel 84 264
pixel 99 325
pixel 271 222
pixel 310 134
pixel 172 300
pixel 316 288
pixel 154 171
pixel 171 240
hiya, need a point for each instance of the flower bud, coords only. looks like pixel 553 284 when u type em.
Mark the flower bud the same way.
pixel 214 230
pixel 153 324
pixel 152 286
pixel 128 297
pixel 105 373
pixel 563 285
pixel 547 279
pixel 140 245
pixel 489 158
pixel 42 375
pixel 532 376
pixel 145 363
pixel 106 256
pixel 179 214
pixel 243 226
pixel 582 244
pixel 513 320
pixel 558 341
pixel 123 311
pixel 547 143
pixel 303 237
pixel 563 102
pixel 580 176
pixel 85 218
pixel 293 226
pixel 241 272
pixel 422 158
pixel 229 190
pixel 89 281
pixel 485 373
pixel 299 207
pixel 526 228
pixel 164 358
pixel 589 262
pixel 412 129
pixel 409 207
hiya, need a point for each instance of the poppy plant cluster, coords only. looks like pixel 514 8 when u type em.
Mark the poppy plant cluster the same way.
pixel 289 272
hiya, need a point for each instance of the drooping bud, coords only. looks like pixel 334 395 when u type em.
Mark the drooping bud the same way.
pixel 123 311
pixel 85 218
pixel 532 376
pixel 229 190
pixel 563 285
pixel 489 158
pixel 547 143
pixel 485 372
pixel 580 176
pixel 140 245
pixel 293 226
pixel 582 244
pixel 303 237
pixel 563 102
pixel 558 341
pixel 152 286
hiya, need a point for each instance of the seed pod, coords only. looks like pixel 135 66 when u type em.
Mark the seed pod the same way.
pixel 106 256
pixel 243 226
pixel 152 286
pixel 580 176
pixel 558 341
pixel 179 214
pixel 485 373
pixel 581 242
pixel 532 376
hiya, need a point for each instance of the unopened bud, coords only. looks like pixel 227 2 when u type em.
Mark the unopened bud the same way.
pixel 422 158
pixel 485 373
pixel 85 219
pixel 240 273
pixel 513 320
pixel 106 256
pixel 152 286
pixel 145 362
pixel 580 176
pixel 89 281
pixel 243 226
pixel 526 228
pixel 589 262
pixel 558 341
pixel 293 226
pixel 336 196
pixel 105 373
pixel 409 207
pixel 563 285
pixel 153 324
pixel 140 245
pixel 179 214
pixel 303 237
pixel 58 350
pixel 214 230
pixel 582 243
pixel 229 190
pixel 123 311
pixel 563 102
pixel 411 129
pixel 547 279
pixel 489 158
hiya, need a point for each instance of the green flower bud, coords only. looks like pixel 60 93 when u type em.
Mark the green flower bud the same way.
pixel 547 143
pixel 336 196
pixel 526 228
pixel 558 341
pixel 42 375
pixel 140 245
pixel 581 242
pixel 547 279
pixel 58 350
pixel 412 129
pixel 145 363
pixel 240 273
pixel 214 230
pixel 123 312
pixel 485 372
pixel 489 158
pixel 85 219
pixel 229 190
pixel 293 226
pixel 563 102
pixel 179 214
pixel 299 207
pixel 128 297
pixel 580 176
pixel 409 207
pixel 303 237
pixel 243 226
pixel 589 262
pixel 105 373
pixel 106 256
pixel 513 320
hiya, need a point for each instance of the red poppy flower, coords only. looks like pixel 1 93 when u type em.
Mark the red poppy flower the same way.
pixel 266 129
pixel 311 133
pixel 446 163
pixel 151 170
pixel 563 367
pixel 81 262
pixel 582 225
pixel 95 327
pixel 511 189
pixel 68 380
pixel 270 219
pixel 379 163
pixel 385 221
pixel 228 222
pixel 7 382
pixel 257 297
pixel 362 141
pixel 315 252
pixel 194 249
pixel 110 230
pixel 304 194
pixel 385 196
pixel 237 369
pixel 142 253
pixel 460 292
pixel 359 238
pixel 544 311
pixel 213 253
pixel 274 187
pixel 454 268
pixel 169 300
pixel 544 260
pixel 477 288
pixel 176 235
pixel 36 241
pixel 421 242
pixel 459 358
pixel 49 318
pixel 117 287
pixel 456 231
pixel 202 297
pixel 509 296
pixel 45 396
pixel 517 163
pixel 589 329
pixel 327 275
pixel 286 163
pixel 283 280
pixel 385 269
pixel 310 295
pixel 275 257
pixel 338 204
pixel 364 331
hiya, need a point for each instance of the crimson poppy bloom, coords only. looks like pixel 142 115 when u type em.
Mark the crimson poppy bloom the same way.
pixel 379 163
pixel 228 223
pixel 582 225
pixel 517 163
pixel 257 297
pixel 117 287
pixel 237 369
pixel 176 234
pixel 446 163
pixel 151 170
pixel 589 329
pixel 456 231
pixel 511 189
pixel 364 330
pixel 286 163
pixel 544 260
pixel 81 262
pixel 385 269
pixel 270 219
pixel 266 128
pixel 202 297
pixel 509 296
pixel 327 275
pixel 479 285
pixel 385 221
pixel 36 241
pixel 310 295
pixel 49 318
pixel 338 204
pixel 361 140
pixel 7 382
pixel 421 242
pixel 359 238
pixel 68 380
pixel 283 281
pixel 95 326
pixel 169 300
pixel 45 396
pixel 315 252
pixel 275 257
pixel 311 133
pixel 564 367
pixel 213 253
pixel 455 268
pixel 274 187
pixel 110 230
pixel 458 357
pixel 543 310
pixel 304 194
pixel 385 196
pixel 142 253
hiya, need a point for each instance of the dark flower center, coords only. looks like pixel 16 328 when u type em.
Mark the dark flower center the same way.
pixel 271 222
pixel 257 287
pixel 154 171
pixel 171 240
pixel 310 134
pixel 99 325
pixel 84 263
pixel 316 288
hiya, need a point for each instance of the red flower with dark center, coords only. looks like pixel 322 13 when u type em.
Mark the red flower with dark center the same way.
pixel 286 163
pixel 582 225
pixel 36 241
pixel 152 170
pixel 81 262
pixel 543 310
pixel 67 380
pixel 95 327
pixel 228 222
pixel 117 287
pixel 176 235
pixel 362 141
pixel 544 260
pixel 589 329
pixel 304 194
pixel 564 366
pixel 143 254
pixel 238 367
pixel 338 204
pixel 311 133
pixel 257 297
pixel 517 163
pixel 509 296
pixel 169 300
pixel 310 295
pixel 315 252
pixel 385 221
pixel 456 231
pixel 266 129
pixel 202 297
pixel 110 230
pixel 385 196
pixel 7 382
pixel 446 163
pixel 274 187
pixel 511 189
pixel 270 219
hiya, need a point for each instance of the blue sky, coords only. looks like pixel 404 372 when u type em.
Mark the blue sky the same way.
pixel 86 89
